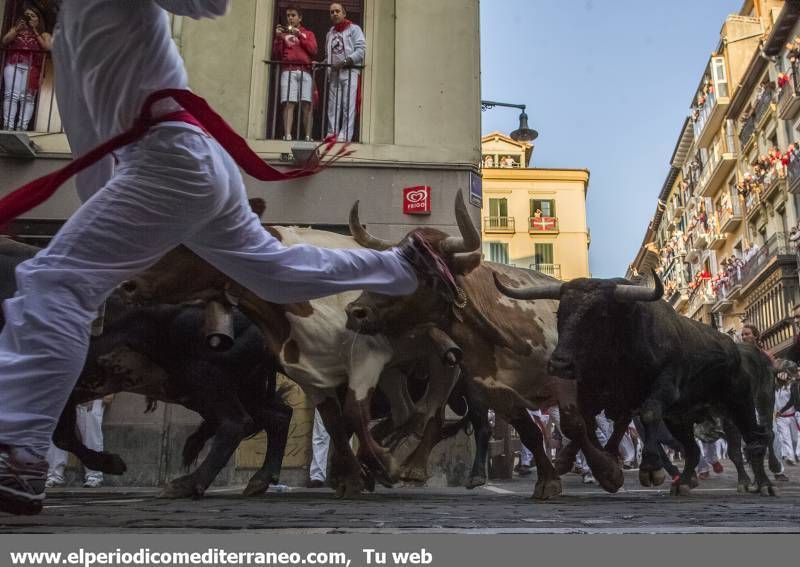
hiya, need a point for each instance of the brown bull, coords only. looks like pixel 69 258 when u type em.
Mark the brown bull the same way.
pixel 506 344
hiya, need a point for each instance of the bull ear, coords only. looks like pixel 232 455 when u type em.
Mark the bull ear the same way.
pixel 465 263
pixel 258 205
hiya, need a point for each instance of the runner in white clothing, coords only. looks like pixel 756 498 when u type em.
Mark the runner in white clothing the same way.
pixel 174 185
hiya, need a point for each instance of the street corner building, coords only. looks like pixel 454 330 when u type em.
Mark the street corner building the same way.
pixel 720 238
pixel 407 132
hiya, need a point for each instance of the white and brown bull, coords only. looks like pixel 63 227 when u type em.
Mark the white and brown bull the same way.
pixel 313 346
pixel 506 344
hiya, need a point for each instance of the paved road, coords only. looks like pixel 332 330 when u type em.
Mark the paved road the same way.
pixel 497 508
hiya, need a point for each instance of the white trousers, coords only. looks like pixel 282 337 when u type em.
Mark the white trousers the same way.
pixel 175 185
pixel 90 427
pixel 320 443
pixel 710 453
pixel 18 101
pixel 342 89
pixel 786 429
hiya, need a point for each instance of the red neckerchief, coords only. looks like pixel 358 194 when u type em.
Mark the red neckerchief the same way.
pixel 343 25
pixel 196 111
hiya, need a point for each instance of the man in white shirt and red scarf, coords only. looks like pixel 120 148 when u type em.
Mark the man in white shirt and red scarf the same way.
pixel 175 180
pixel 345 49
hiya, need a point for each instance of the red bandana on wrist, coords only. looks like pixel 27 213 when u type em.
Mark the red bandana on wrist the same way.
pixel 343 25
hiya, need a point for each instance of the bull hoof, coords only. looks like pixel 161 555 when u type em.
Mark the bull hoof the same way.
pixel 612 481
pixel 769 490
pixel 680 489
pixel 741 487
pixel 183 487
pixel 644 478
pixel 475 481
pixel 256 487
pixel 111 463
pixel 545 490
pixel 414 474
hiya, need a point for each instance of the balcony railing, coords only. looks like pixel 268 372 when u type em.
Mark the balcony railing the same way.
pixel 730 215
pixel 748 127
pixel 704 113
pixel 763 103
pixel 776 245
pixel 543 224
pixel 328 97
pixel 549 269
pixel 498 224
pixel 789 101
pixel 701 295
pixel 793 174
pixel 28 97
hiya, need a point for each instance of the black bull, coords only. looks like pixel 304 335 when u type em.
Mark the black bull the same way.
pixel 622 347
pixel 161 352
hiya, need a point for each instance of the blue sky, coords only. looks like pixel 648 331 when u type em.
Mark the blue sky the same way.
pixel 608 84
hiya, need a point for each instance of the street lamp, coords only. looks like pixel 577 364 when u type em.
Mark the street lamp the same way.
pixel 521 134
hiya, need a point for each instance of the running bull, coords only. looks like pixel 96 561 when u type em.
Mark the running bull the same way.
pixel 622 347
pixel 506 344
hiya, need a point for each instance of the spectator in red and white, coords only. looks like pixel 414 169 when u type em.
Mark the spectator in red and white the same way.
pixel 25 44
pixel 294 46
pixel 345 49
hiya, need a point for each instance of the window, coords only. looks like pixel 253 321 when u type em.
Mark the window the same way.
pixel 498 252
pixel 498 208
pixel 546 206
pixel 543 254
pixel 299 85
pixel 718 70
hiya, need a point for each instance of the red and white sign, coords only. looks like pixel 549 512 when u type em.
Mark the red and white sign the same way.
pixel 417 200
pixel 544 224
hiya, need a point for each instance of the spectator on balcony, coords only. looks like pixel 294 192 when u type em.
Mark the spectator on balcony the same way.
pixel 507 161
pixel 294 46
pixel 345 48
pixel 25 45
pixel 537 214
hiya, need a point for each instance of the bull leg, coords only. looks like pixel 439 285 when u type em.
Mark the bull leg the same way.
pixel 345 470
pixel 415 466
pixel 365 372
pixel 684 434
pixel 735 454
pixel 275 421
pixel 651 470
pixel 196 441
pixel 65 437
pixel 606 470
pixel 620 428
pixel 234 425
pixel 548 484
pixel 757 437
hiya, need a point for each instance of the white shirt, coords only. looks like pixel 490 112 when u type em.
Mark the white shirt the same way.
pixel 109 56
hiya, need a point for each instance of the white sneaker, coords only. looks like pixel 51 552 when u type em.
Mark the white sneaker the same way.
pixel 588 478
pixel 93 483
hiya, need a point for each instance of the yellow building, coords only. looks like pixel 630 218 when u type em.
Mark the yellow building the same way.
pixel 719 237
pixel 533 217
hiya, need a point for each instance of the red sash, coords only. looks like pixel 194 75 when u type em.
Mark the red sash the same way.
pixel 198 112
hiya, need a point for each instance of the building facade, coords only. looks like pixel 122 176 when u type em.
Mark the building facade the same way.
pixel 533 218
pixel 719 238
pixel 417 124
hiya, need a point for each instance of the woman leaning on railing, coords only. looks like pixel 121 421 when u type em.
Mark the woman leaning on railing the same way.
pixel 25 46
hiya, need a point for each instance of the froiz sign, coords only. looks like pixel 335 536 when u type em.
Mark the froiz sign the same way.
pixel 417 200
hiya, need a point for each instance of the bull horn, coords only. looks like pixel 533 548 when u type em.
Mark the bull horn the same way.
pixel 361 236
pixel 470 238
pixel 542 291
pixel 632 293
